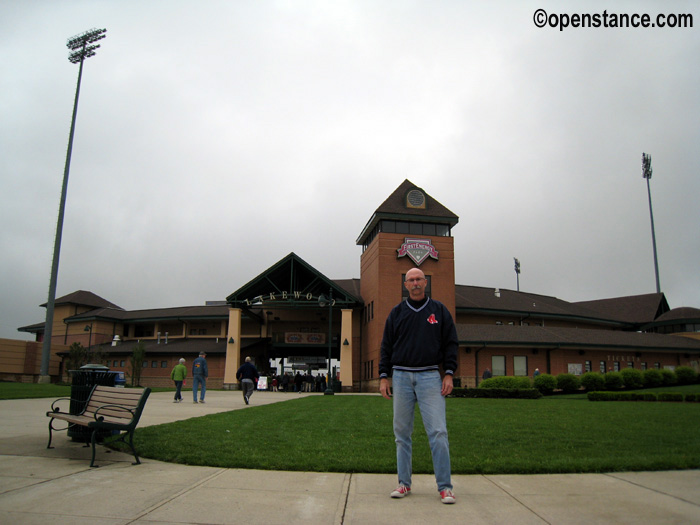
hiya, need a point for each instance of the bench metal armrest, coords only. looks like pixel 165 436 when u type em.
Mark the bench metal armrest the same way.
pixel 55 408
pixel 112 407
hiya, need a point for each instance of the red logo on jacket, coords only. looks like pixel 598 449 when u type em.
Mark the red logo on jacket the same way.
pixel 432 319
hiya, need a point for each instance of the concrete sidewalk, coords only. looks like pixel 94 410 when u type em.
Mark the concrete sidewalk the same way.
pixel 56 486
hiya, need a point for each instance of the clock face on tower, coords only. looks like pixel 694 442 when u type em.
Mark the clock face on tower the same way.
pixel 415 199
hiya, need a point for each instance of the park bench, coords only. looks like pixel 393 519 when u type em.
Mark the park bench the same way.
pixel 108 409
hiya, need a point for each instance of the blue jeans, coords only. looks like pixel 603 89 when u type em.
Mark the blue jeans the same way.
pixel 178 389
pixel 196 382
pixel 424 388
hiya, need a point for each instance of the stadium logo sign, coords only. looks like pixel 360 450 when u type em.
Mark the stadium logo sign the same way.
pixel 418 250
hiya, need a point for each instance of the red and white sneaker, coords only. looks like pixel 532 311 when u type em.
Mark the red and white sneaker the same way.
pixel 447 496
pixel 401 491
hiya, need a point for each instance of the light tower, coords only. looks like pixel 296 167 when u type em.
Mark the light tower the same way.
pixel 82 46
pixel 646 173
pixel 517 273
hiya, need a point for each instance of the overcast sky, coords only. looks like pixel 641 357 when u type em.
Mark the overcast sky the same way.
pixel 213 138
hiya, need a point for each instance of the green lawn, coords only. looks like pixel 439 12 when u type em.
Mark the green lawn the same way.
pixel 354 434
pixel 348 433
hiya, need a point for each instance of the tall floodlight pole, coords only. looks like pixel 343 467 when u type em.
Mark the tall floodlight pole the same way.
pixel 646 173
pixel 82 46
pixel 517 273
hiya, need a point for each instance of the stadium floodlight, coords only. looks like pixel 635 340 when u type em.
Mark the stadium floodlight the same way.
pixel 646 173
pixel 82 46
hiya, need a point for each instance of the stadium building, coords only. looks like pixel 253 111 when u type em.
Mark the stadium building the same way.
pixel 292 317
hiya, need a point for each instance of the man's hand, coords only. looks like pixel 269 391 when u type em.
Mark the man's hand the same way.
pixel 384 388
pixel 446 385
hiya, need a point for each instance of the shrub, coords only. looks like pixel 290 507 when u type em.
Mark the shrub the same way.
pixel 593 381
pixel 515 393
pixel 546 383
pixel 669 377
pixel 692 397
pixel 670 396
pixel 686 375
pixel 653 378
pixel 569 383
pixel 632 378
pixel 506 382
pixel 613 381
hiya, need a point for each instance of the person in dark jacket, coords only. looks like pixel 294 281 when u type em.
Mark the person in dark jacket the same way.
pixel 419 337
pixel 248 375
pixel 200 372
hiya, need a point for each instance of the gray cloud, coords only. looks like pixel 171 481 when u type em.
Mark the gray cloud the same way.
pixel 213 138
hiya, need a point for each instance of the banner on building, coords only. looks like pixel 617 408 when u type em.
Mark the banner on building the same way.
pixel 305 338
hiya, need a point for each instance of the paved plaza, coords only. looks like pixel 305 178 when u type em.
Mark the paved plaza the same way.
pixel 56 486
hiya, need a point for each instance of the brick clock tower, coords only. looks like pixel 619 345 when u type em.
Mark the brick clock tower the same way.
pixel 410 229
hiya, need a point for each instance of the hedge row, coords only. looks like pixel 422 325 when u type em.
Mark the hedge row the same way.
pixel 644 396
pixel 500 393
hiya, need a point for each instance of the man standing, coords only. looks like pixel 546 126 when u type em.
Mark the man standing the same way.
pixel 248 375
pixel 419 336
pixel 200 372
pixel 178 375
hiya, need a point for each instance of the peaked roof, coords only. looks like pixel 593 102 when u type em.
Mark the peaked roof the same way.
pixel 564 337
pixel 635 309
pixel 396 207
pixel 293 282
pixel 83 298
pixel 503 301
pixel 683 314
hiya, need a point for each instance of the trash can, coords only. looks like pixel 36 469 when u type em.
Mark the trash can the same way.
pixel 84 380
pixel 119 379
pixel 337 386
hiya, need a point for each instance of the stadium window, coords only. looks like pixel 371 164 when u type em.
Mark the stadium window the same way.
pixel 154 364
pixel 122 363
pixel 498 365
pixel 616 366
pixel 602 367
pixel 401 227
pixel 643 366
pixel 164 364
pixel 520 365
pixel 589 366
pixel 630 364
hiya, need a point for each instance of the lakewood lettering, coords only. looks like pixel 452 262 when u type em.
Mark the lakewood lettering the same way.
pixel 283 296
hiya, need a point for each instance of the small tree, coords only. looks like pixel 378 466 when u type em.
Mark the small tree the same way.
pixel 653 378
pixel 136 360
pixel 686 375
pixel 632 378
pixel 77 357
pixel 593 381
pixel 546 384
pixel 668 376
pixel 613 381
pixel 568 383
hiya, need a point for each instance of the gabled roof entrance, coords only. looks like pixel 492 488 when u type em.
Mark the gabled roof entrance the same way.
pixel 291 283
